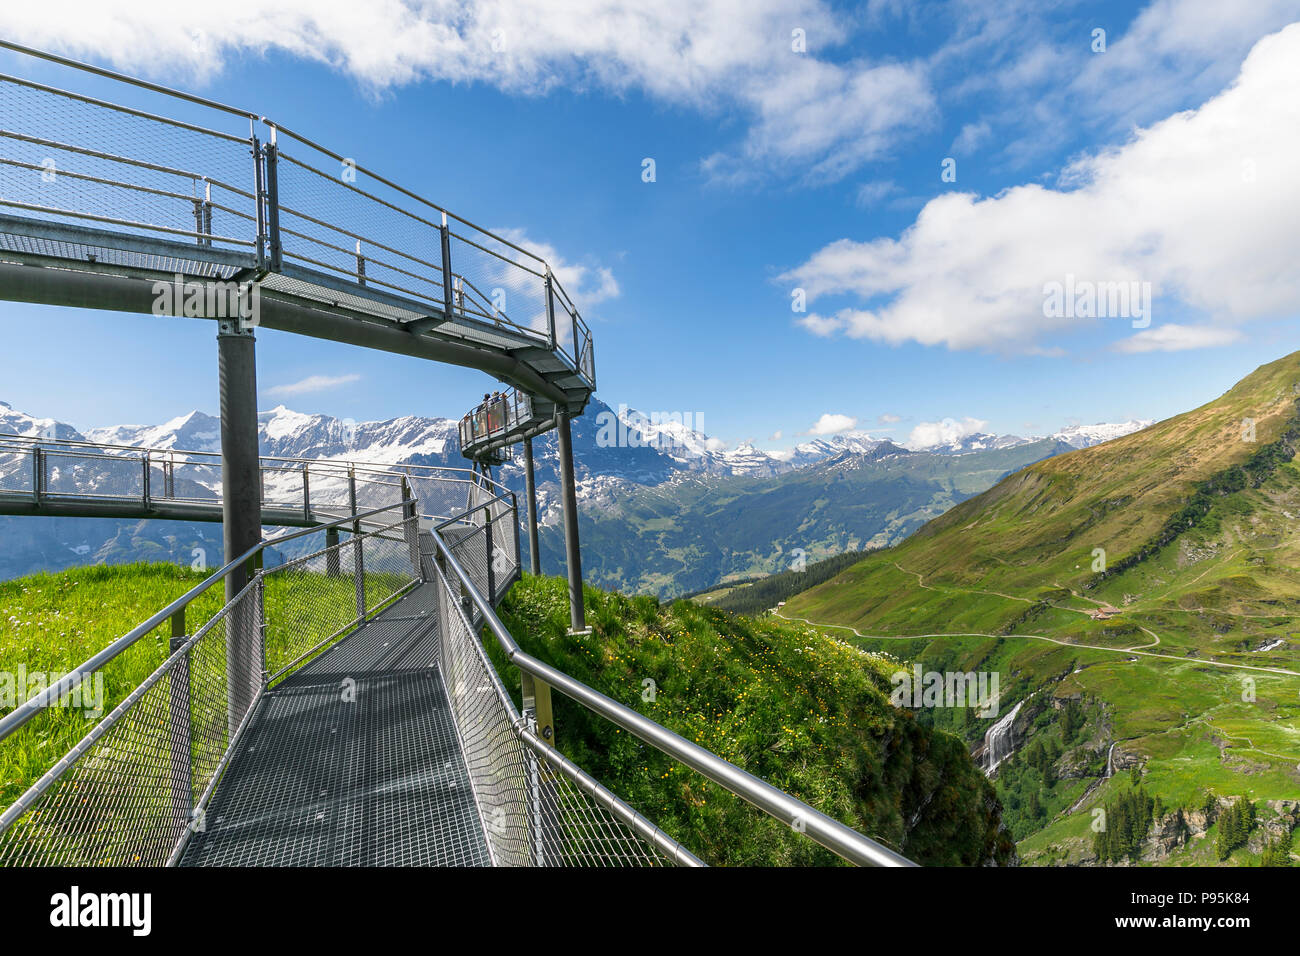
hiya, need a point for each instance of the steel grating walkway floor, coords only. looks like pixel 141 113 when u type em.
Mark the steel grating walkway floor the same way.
pixel 318 780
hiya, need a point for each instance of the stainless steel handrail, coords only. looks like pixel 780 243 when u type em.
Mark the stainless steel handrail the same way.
pixel 827 831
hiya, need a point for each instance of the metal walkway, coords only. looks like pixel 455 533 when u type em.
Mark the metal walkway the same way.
pixel 353 760
pixel 166 203
pixel 340 707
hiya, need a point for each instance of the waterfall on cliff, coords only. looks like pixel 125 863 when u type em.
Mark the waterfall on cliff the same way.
pixel 998 741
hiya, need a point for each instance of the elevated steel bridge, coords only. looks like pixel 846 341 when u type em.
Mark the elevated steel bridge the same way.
pixel 339 707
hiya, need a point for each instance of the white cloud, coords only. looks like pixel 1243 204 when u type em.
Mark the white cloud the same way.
pixel 869 194
pixel 313 383
pixel 827 120
pixel 1178 338
pixel 775 436
pixel 586 284
pixel 971 138
pixel 820 324
pixel 888 419
pixel 803 110
pixel 1202 205
pixel 928 434
pixel 833 424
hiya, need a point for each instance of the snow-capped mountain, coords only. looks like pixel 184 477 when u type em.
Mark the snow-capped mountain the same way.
pixel 14 422
pixel 1076 436
pixel 629 466
pixel 1084 436
pixel 193 432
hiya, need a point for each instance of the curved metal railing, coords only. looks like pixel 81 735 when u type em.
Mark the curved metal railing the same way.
pixel 245 193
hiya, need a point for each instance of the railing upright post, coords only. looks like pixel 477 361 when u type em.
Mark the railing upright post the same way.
pixel 259 189
pixel 306 495
pixel 358 552
pixel 577 347
pixel 448 306
pixel 198 217
pixel 550 307
pixel 410 525
pixel 489 551
pixel 38 473
pixel 273 204
pixel 535 695
pixel 144 485
pixel 361 265
pixel 207 214
pixel 332 552
pixel 178 700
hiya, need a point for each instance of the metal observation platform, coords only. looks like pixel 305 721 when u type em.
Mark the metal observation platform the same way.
pixel 332 694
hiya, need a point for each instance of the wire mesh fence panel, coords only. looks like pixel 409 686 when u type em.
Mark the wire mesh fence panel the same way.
pixel 494 757
pixel 533 812
pixel 89 475
pixel 16 469
pixel 440 497
pixel 94 163
pixel 501 286
pixel 388 568
pixel 337 219
pixel 311 602
pixel 123 795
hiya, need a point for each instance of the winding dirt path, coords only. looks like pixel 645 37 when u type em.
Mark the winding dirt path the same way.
pixel 1050 640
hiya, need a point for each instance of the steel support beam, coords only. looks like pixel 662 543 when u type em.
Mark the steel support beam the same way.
pixel 278 311
pixel 569 502
pixel 530 492
pixel 241 504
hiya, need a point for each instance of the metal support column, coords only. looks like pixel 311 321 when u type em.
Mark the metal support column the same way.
pixel 530 492
pixel 241 503
pixel 569 501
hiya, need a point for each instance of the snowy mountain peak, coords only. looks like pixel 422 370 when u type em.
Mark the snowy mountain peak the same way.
pixel 1083 436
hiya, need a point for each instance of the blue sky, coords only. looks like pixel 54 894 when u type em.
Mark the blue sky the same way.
pixel 1169 158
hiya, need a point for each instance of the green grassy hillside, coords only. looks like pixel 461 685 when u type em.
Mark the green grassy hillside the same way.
pixel 1151 580
pixel 807 713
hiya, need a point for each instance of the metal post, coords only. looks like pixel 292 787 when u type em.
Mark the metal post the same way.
pixel 410 525
pixel 38 473
pixel 358 552
pixel 306 495
pixel 273 204
pixel 530 491
pixel 535 696
pixel 487 546
pixel 550 307
pixel 569 501
pixel 577 349
pixel 241 500
pixel 198 219
pixel 447 300
pixel 259 187
pixel 361 265
pixel 207 214
pixel 178 700
pixel 332 552
pixel 145 497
